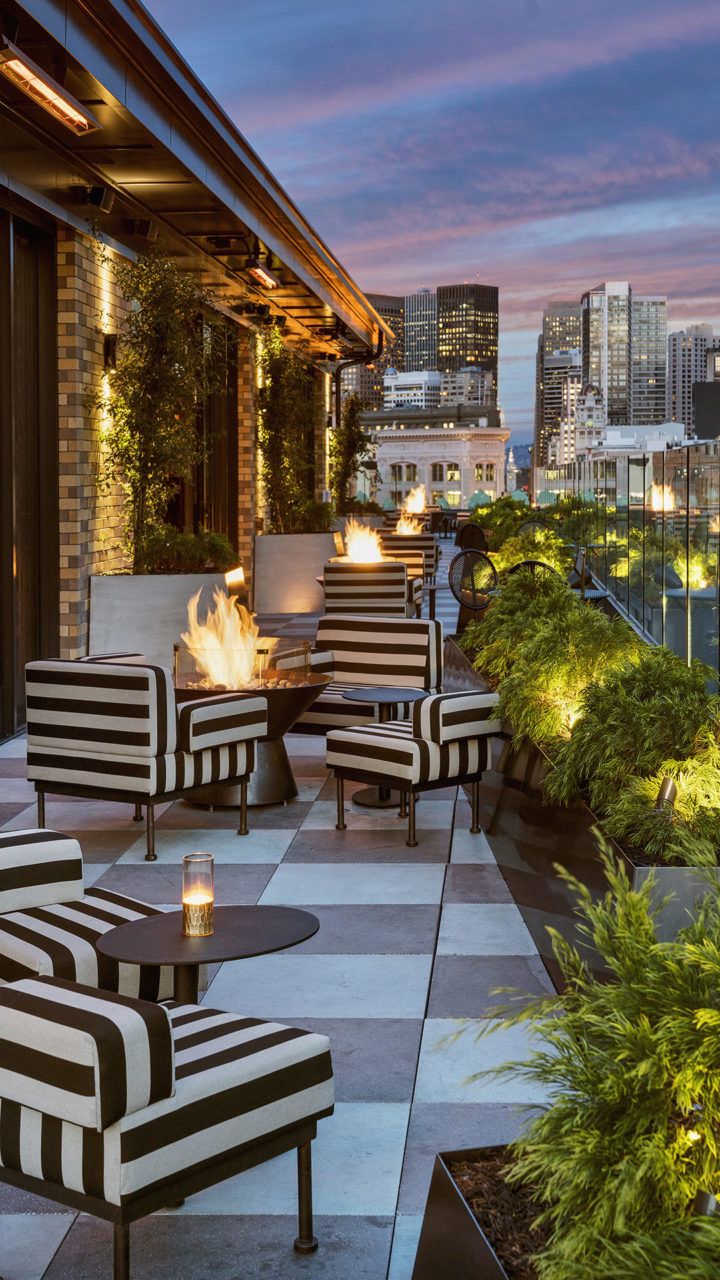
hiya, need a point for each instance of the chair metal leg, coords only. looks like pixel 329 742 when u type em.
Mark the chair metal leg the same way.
pixel 340 825
pixel 121 1252
pixel 411 842
pixel 41 808
pixel 475 795
pixel 403 804
pixel 243 822
pixel 151 855
pixel 137 816
pixel 306 1241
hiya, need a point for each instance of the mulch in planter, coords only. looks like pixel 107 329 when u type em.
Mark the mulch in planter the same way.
pixel 504 1212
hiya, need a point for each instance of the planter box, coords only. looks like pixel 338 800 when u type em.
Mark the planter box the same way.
pixel 452 1242
pixel 285 570
pixel 145 613
pixel 530 838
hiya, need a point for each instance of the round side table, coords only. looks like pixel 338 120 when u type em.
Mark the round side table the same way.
pixel 384 698
pixel 240 932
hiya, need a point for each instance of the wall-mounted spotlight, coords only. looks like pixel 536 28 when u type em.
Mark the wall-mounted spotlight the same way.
pixel 27 76
pixel 143 228
pixel 109 351
pixel 102 198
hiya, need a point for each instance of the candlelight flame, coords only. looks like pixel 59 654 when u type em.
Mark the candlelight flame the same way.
pixel 416 501
pixel 662 498
pixel 224 645
pixel 408 525
pixel 362 543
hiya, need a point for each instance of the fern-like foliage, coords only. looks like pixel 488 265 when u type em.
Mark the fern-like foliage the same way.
pixel 641 715
pixel 543 544
pixel 561 658
pixel 631 1067
pixel 523 604
pixel 687 1248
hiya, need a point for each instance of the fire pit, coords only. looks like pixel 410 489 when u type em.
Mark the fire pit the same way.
pixel 227 653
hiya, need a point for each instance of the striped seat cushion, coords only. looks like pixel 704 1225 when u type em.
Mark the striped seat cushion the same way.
pixel 237 1081
pixel 37 868
pixel 332 710
pixel 390 751
pixel 220 721
pixel 148 777
pixel 59 940
pixel 83 1056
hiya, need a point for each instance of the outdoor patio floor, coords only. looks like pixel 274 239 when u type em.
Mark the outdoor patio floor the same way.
pixel 410 941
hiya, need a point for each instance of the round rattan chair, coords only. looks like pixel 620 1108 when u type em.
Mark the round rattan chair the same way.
pixel 472 577
pixel 537 568
pixel 534 526
pixel 470 537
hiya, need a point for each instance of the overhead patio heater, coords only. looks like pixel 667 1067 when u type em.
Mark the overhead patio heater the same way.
pixel 27 76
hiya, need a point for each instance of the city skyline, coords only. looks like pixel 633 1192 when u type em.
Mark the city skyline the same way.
pixel 541 154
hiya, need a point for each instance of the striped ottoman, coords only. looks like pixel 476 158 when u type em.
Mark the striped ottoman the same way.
pixel 448 740
pixel 49 924
pixel 119 1107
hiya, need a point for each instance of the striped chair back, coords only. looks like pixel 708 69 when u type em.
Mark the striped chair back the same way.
pixel 400 545
pixel 402 652
pixel 366 588
pixel 414 561
pixel 113 707
pixel 38 869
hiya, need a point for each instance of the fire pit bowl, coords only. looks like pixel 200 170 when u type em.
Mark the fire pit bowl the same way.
pixel 272 781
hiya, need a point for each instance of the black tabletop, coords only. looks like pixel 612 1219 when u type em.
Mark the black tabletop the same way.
pixel 240 932
pixel 383 694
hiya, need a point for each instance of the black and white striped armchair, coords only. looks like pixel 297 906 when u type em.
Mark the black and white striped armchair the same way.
pixel 357 652
pixel 385 589
pixel 119 1107
pixel 447 740
pixel 110 729
pixel 50 923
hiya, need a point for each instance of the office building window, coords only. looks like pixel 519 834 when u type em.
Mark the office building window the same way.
pixel 453 472
pixel 396 471
pixel 411 472
pixel 479 471
pixel 438 472
pixel 453 497
pixel 490 471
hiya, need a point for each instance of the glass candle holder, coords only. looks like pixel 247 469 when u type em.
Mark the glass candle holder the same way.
pixel 198 895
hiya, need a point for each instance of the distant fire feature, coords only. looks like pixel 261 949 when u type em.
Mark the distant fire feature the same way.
pixel 362 543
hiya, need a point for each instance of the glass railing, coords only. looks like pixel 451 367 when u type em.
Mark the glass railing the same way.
pixel 657 538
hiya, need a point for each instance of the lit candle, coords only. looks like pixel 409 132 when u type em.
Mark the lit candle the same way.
pixel 198 895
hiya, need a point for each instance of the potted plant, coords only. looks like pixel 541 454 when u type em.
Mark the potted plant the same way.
pixel 608 1177
pixel 296 543
pixel 169 359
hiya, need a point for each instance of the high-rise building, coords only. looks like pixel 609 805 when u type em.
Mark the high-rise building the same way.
pixel 467 386
pixel 421 331
pixel 686 364
pixel 624 351
pixel 467 328
pixel 648 359
pixel 561 371
pixel 559 346
pixel 421 388
pixel 366 381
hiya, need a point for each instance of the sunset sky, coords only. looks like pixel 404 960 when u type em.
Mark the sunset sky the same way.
pixel 534 144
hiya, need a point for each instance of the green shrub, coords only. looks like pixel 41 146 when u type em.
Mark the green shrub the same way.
pixel 686 1247
pixel 631 1069
pixel 640 716
pixel 167 550
pixel 514 615
pixel 689 830
pixel 555 664
pixel 501 519
pixel 544 544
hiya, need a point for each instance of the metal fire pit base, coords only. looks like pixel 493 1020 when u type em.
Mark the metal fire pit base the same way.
pixel 271 782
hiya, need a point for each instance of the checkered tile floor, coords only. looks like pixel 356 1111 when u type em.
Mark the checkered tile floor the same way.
pixel 410 941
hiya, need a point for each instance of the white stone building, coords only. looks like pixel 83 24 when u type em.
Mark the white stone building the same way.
pixel 420 387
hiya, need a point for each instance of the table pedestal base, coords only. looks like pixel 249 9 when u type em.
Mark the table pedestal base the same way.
pixel 186 981
pixel 271 782
pixel 377 798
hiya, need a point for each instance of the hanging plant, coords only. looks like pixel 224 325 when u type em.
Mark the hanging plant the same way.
pixel 348 448
pixel 291 412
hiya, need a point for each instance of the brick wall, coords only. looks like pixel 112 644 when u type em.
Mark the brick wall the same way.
pixel 90 528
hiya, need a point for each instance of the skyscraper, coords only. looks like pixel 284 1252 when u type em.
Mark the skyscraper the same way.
pixel 420 331
pixel 366 381
pixel 557 354
pixel 624 352
pixel 687 352
pixel 648 359
pixel 467 328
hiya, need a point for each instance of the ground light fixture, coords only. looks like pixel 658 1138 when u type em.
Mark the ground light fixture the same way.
pixel 666 795
pixel 26 75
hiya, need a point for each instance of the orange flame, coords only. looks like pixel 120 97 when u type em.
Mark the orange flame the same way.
pixel 662 498
pixel 408 524
pixel 362 543
pixel 416 501
pixel 224 645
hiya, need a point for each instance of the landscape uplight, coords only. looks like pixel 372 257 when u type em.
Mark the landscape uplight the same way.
pixel 26 75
